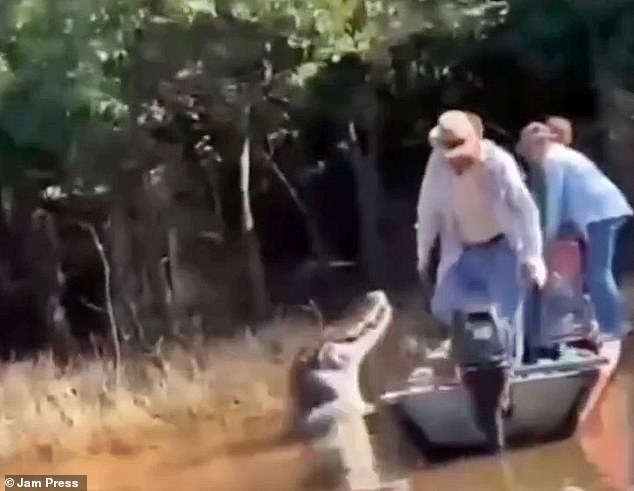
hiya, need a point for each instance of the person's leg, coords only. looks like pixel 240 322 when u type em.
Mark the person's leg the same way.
pixel 490 273
pixel 531 325
pixel 449 294
pixel 604 292
pixel 498 269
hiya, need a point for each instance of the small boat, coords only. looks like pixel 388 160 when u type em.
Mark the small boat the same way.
pixel 542 401
pixel 547 402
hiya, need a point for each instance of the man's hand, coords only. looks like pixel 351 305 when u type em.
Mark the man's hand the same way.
pixel 530 275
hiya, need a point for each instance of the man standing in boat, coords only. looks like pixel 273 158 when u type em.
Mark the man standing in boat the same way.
pixel 473 197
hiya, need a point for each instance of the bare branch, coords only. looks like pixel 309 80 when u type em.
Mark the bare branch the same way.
pixel 114 331
pixel 91 306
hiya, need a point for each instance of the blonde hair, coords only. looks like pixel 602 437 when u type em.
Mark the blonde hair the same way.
pixel 562 128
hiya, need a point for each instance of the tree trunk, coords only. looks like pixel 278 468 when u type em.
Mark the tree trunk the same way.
pixel 318 247
pixel 261 303
pixel 125 273
pixel 44 264
pixel 150 247
pixel 369 197
pixel 369 203
pixel 6 212
pixel 176 304
pixel 148 237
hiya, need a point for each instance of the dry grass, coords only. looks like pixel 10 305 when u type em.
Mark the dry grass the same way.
pixel 234 391
pixel 237 385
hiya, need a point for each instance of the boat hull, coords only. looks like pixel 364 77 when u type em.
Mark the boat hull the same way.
pixel 547 403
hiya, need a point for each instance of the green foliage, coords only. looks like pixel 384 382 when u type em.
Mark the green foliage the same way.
pixel 327 30
pixel 61 63
pixel 68 62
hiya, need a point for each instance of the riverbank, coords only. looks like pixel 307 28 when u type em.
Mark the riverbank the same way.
pixel 236 388
pixel 201 406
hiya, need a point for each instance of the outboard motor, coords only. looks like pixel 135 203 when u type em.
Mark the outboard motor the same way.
pixel 481 347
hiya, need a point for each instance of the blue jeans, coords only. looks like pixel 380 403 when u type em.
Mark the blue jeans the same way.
pixel 599 276
pixel 483 273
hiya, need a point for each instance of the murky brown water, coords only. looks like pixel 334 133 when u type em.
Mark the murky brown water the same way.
pixel 600 457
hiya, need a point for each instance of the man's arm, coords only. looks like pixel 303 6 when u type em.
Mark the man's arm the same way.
pixel 525 211
pixel 428 224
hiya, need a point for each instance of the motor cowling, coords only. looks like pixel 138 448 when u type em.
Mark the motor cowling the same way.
pixel 480 339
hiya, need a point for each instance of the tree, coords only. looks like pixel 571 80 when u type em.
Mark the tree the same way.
pixel 145 99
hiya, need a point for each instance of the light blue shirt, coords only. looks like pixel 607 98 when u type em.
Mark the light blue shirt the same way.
pixel 577 192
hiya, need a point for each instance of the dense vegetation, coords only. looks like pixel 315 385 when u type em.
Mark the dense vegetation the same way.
pixel 226 157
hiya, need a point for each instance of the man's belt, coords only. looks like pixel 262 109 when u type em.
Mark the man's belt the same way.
pixel 493 240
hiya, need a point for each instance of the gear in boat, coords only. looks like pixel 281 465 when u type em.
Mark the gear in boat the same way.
pixel 497 399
